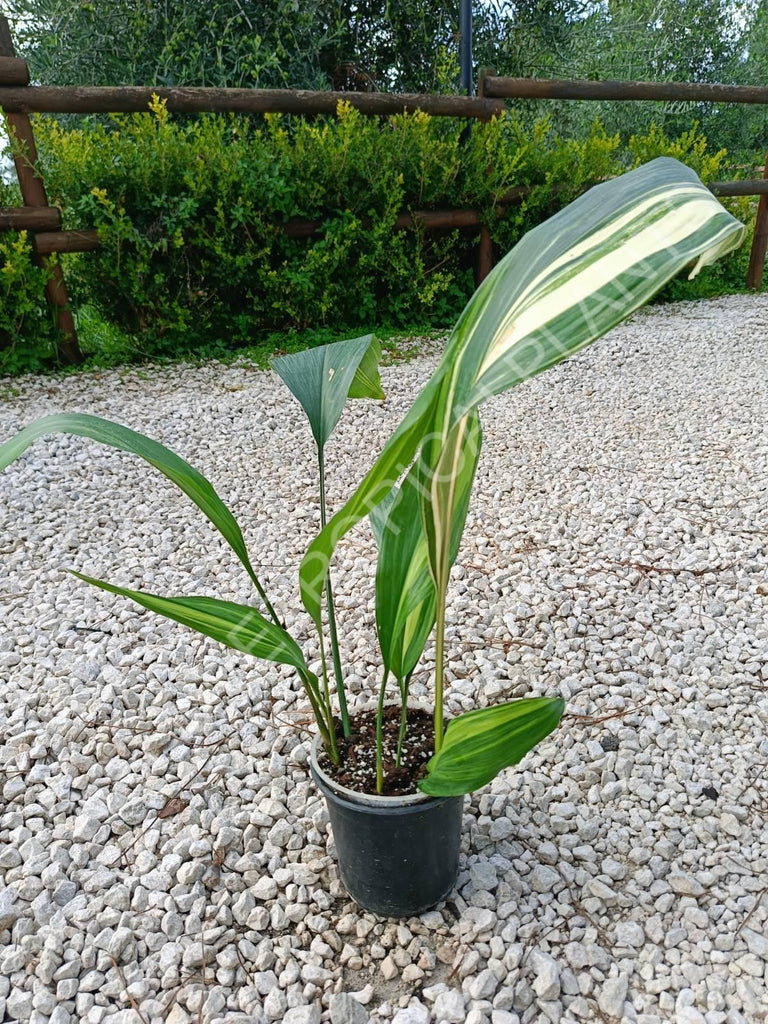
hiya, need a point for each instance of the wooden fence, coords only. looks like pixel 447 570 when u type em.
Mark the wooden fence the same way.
pixel 18 100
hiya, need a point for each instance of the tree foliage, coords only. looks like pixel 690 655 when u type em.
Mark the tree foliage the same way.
pixel 671 40
pixel 189 212
pixel 408 45
pixel 177 42
pixel 412 45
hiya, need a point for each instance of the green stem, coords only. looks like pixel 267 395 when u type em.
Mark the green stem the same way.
pixel 337 659
pixel 263 595
pixel 315 700
pixel 379 735
pixel 403 716
pixel 439 669
pixel 332 612
pixel 333 750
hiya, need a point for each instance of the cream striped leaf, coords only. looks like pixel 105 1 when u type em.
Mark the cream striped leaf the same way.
pixel 235 625
pixel 405 586
pixel 479 744
pixel 563 285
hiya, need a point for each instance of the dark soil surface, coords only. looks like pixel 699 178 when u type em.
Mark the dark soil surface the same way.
pixel 358 752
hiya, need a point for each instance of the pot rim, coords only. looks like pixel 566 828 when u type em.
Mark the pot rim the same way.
pixel 366 799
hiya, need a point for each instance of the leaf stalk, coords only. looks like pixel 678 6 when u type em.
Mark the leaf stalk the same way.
pixel 335 653
pixel 439 668
pixel 380 735
pixel 404 687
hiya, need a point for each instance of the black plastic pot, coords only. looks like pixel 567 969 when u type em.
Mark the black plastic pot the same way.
pixel 398 856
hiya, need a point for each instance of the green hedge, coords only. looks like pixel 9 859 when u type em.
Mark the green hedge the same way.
pixel 27 327
pixel 189 212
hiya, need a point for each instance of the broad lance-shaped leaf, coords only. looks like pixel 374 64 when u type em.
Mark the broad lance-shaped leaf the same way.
pixel 566 283
pixel 192 483
pixel 479 744
pixel 405 591
pixel 444 491
pixel 394 460
pixel 235 625
pixel 405 588
pixel 322 379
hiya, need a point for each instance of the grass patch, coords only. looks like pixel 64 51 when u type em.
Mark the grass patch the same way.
pixel 105 347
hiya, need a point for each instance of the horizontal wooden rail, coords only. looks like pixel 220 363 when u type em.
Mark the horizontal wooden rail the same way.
pixel 576 89
pixel 13 71
pixel 30 218
pixel 429 220
pixel 48 242
pixel 197 99
pixel 758 187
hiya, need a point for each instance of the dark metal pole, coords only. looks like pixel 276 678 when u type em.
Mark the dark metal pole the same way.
pixel 465 46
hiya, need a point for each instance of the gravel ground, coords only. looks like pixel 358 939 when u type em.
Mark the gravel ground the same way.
pixel 163 854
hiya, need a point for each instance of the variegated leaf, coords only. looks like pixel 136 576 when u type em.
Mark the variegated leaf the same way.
pixel 192 483
pixel 479 744
pixel 563 286
pixel 405 586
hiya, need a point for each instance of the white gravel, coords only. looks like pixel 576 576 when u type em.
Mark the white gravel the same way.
pixel 615 553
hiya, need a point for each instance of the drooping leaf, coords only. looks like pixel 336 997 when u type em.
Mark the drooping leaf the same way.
pixel 235 625
pixel 192 483
pixel 405 587
pixel 322 379
pixel 479 744
pixel 566 283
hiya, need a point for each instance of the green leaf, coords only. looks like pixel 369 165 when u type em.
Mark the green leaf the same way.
pixel 367 382
pixel 192 483
pixel 322 379
pixel 563 286
pixel 380 514
pixel 405 591
pixel 394 460
pixel 479 744
pixel 235 625
pixel 405 588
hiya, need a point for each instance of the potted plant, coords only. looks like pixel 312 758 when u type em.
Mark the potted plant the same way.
pixel 395 777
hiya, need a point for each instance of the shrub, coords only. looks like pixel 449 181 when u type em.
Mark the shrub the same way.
pixel 189 211
pixel 192 215
pixel 27 327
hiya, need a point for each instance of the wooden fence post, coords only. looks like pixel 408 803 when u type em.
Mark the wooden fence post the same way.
pixel 33 194
pixel 759 241
pixel 484 255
